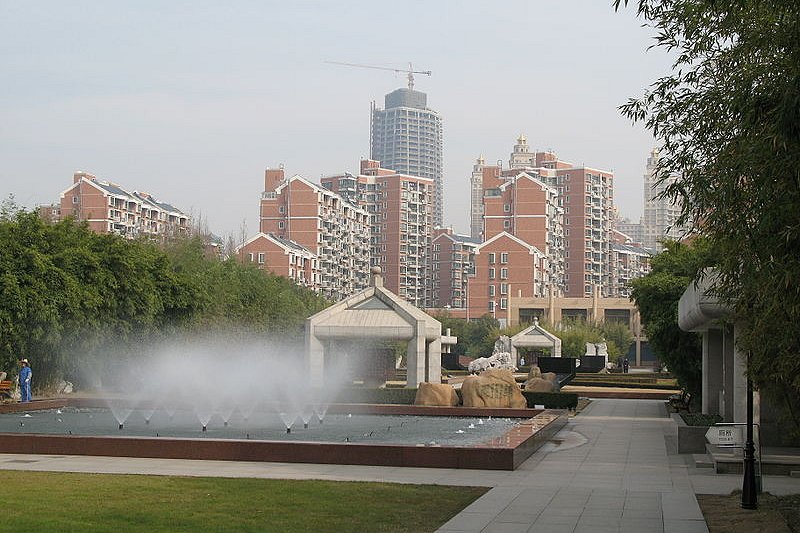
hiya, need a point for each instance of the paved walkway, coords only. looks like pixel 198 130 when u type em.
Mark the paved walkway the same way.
pixel 613 468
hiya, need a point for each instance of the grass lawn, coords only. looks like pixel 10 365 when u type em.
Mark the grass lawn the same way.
pixel 49 501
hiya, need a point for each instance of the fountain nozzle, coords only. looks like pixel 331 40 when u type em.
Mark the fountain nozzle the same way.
pixel 204 428
pixel 225 423
pixel 305 425
pixel 288 430
pixel 121 426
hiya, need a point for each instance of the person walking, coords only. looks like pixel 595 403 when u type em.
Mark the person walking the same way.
pixel 25 381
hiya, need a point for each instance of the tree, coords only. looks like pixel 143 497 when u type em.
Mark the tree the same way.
pixel 728 121
pixel 657 295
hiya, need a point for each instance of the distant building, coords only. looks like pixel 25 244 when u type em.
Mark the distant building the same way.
pixel 633 230
pixel 406 136
pixel 505 266
pixel 659 215
pixel 565 210
pixel 282 257
pixel 49 213
pixel 400 210
pixel 452 264
pixel 331 227
pixel 108 208
pixel 628 262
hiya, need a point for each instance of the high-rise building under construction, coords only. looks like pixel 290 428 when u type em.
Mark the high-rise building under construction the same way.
pixel 406 136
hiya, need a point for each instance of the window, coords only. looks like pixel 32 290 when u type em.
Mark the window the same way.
pixel 250 255
pixel 504 288
pixel 491 273
pixel 491 291
pixel 491 306
pixel 281 224
pixel 282 209
pixel 503 273
pixel 491 258
pixel 504 257
pixel 260 258
pixel 507 208
pixel 503 303
pixel 74 199
pixel 506 224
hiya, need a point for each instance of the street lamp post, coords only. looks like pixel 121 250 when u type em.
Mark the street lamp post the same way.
pixel 749 492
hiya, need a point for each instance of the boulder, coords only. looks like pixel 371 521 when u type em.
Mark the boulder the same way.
pixel 495 387
pixel 540 385
pixel 436 394
pixel 534 372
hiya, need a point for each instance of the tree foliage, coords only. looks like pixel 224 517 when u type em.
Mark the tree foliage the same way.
pixel 69 296
pixel 728 121
pixel 657 295
pixel 476 338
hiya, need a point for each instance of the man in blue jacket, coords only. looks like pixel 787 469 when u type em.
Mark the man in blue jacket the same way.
pixel 25 381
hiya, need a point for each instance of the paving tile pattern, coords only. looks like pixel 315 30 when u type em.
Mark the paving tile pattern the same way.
pixel 609 470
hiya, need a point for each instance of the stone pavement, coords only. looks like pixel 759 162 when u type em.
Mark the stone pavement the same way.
pixel 612 468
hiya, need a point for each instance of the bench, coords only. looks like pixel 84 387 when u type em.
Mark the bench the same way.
pixel 6 389
pixel 681 401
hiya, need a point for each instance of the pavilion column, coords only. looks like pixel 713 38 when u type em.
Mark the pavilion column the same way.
pixel 315 357
pixel 415 356
pixel 433 361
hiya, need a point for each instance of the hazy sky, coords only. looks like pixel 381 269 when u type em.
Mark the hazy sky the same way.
pixel 191 101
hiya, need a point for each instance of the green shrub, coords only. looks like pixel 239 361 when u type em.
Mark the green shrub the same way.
pixel 700 419
pixel 401 396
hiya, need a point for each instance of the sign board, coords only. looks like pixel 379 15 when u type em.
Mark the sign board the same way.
pixel 725 435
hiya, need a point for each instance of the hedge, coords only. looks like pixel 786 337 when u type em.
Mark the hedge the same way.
pixel 402 396
pixel 551 400
pixel 621 384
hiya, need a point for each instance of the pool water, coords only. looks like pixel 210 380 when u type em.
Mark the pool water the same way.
pixel 262 425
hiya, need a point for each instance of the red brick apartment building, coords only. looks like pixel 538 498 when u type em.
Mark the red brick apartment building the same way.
pixel 329 226
pixel 108 208
pixel 282 257
pixel 574 203
pixel 505 266
pixel 452 264
pixel 400 220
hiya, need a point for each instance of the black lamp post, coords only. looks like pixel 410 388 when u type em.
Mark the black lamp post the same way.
pixel 749 492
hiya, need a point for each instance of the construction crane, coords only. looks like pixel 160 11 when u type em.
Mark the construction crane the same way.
pixel 409 71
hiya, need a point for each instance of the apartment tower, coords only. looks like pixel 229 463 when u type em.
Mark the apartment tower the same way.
pixel 331 227
pixel 400 211
pixel 406 136
pixel 659 214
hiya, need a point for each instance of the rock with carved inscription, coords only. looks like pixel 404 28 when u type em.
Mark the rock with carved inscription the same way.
pixel 495 387
pixel 436 394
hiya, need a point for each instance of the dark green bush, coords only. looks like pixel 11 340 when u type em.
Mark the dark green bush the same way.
pixel 700 419
pixel 402 396
pixel 551 400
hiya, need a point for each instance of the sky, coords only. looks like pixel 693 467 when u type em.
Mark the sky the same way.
pixel 191 101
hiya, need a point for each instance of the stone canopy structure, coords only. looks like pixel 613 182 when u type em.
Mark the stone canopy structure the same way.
pixel 377 314
pixel 535 336
pixel 724 365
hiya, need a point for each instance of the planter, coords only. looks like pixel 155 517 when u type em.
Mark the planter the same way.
pixel 691 439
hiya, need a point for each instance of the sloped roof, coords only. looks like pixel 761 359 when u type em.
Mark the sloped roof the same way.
pixel 374 312
pixel 538 337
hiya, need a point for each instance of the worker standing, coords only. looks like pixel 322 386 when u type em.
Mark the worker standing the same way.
pixel 25 381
